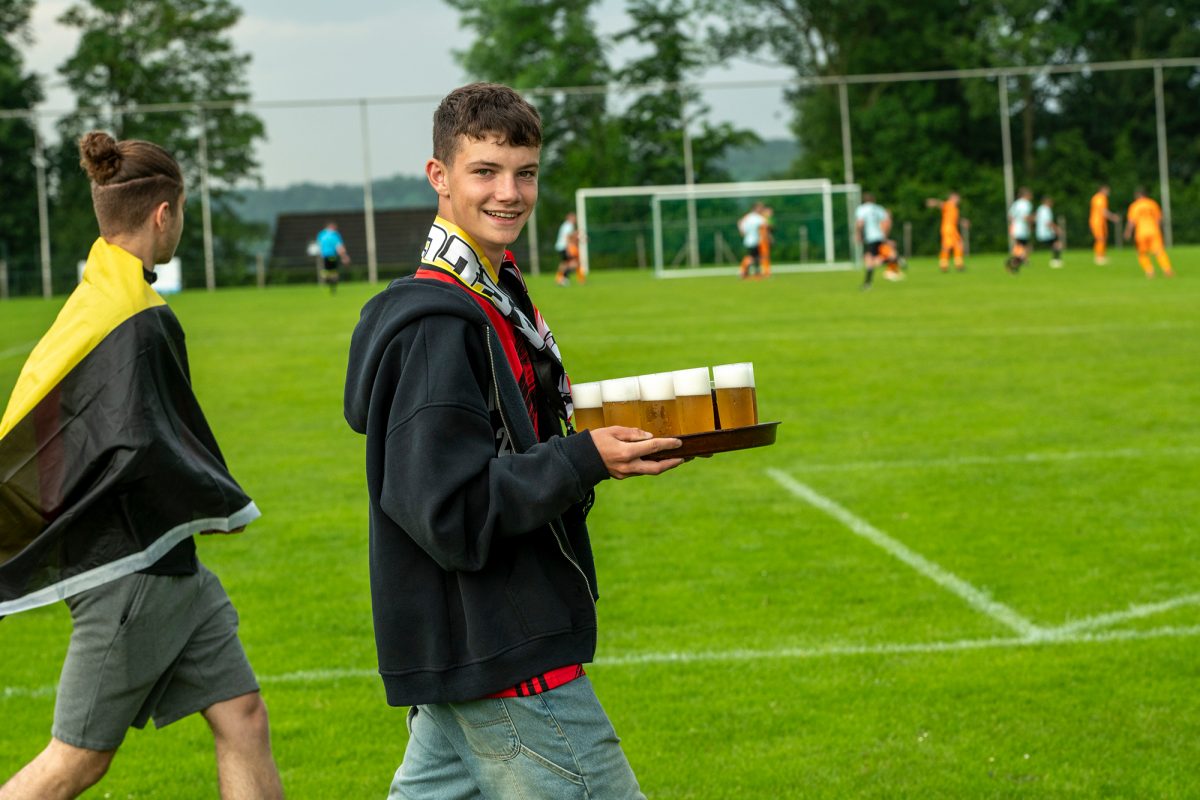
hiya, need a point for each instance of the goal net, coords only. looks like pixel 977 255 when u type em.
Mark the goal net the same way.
pixel 685 231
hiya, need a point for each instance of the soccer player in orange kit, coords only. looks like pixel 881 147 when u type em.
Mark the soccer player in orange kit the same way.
pixel 1145 225
pixel 952 241
pixel 1098 218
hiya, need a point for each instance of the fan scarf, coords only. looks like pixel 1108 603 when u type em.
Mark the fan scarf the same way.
pixel 106 460
pixel 451 249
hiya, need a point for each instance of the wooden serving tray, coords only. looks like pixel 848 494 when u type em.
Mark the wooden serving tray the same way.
pixel 703 444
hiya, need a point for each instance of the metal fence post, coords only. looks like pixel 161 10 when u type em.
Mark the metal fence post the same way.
pixel 1006 140
pixel 1164 177
pixel 368 197
pixel 39 162
pixel 847 146
pixel 210 273
pixel 689 177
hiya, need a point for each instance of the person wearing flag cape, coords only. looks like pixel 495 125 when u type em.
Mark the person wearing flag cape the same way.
pixel 107 471
pixel 482 579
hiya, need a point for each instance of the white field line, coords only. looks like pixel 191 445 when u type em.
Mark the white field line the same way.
pixel 17 350
pixel 975 598
pixel 1019 458
pixel 888 649
pixel 844 334
pixel 308 677
pixel 1113 618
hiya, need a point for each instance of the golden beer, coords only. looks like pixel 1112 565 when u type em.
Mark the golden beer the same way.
pixel 589 406
pixel 737 407
pixel 737 404
pixel 660 417
pixel 622 402
pixel 624 412
pixel 695 413
pixel 589 419
pixel 658 404
pixel 693 400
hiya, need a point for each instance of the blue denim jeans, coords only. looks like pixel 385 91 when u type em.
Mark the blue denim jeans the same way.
pixel 558 745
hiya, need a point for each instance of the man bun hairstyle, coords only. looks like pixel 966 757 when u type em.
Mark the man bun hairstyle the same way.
pixel 478 110
pixel 129 179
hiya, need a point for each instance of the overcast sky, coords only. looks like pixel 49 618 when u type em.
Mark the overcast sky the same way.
pixel 315 49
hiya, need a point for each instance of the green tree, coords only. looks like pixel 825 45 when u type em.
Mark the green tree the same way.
pixel 19 239
pixel 1071 131
pixel 911 140
pixel 1112 115
pixel 653 124
pixel 136 53
pixel 548 45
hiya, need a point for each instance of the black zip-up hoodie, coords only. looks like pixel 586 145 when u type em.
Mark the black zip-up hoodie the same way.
pixel 481 569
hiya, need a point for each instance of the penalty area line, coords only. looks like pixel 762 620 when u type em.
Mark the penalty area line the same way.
pixel 17 350
pixel 898 648
pixel 316 676
pixel 1019 458
pixel 1117 617
pixel 974 597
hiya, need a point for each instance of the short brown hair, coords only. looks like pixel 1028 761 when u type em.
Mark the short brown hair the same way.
pixel 129 180
pixel 479 109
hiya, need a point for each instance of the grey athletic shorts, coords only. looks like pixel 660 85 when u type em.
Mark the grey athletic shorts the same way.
pixel 142 646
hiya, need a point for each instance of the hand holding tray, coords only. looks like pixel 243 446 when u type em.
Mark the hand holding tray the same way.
pixel 709 442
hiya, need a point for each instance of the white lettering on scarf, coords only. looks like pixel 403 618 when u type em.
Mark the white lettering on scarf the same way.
pixel 449 248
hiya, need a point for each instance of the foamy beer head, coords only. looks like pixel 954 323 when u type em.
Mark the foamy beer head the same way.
pixel 589 407
pixel 622 401
pixel 693 400
pixel 658 404
pixel 737 405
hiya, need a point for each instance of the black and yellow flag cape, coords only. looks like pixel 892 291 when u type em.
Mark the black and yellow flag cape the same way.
pixel 106 460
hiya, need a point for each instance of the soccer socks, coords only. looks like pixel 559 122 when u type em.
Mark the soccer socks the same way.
pixel 1164 263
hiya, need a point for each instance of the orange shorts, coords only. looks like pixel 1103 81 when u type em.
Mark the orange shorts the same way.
pixel 1149 242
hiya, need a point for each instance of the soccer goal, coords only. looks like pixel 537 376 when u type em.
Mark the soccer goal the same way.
pixel 690 230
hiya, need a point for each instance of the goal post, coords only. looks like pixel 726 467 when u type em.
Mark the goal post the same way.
pixel 691 230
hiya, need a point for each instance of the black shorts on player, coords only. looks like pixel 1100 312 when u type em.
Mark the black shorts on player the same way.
pixel 1015 261
pixel 873 248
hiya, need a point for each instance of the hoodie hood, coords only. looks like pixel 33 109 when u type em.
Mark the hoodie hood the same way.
pixel 383 317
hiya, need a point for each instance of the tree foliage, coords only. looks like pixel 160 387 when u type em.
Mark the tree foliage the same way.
pixel 18 90
pixel 1070 131
pixel 135 53
pixel 653 124
pixel 552 44
pixel 548 44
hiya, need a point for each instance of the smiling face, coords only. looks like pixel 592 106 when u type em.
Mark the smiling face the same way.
pixel 488 189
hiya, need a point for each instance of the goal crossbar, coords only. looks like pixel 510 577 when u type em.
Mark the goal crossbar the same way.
pixel 688 191
pixel 851 191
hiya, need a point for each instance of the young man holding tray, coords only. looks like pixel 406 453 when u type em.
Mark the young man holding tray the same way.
pixel 482 579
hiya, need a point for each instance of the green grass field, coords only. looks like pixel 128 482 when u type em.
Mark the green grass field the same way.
pixel 968 568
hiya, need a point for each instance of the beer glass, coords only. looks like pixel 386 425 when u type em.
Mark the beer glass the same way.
pixel 622 402
pixel 693 400
pixel 589 408
pixel 737 405
pixel 658 404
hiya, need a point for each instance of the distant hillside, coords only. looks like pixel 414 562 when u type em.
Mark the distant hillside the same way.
pixel 761 161
pixel 404 191
pixel 398 191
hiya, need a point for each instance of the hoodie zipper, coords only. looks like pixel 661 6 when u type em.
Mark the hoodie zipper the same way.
pixel 558 537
